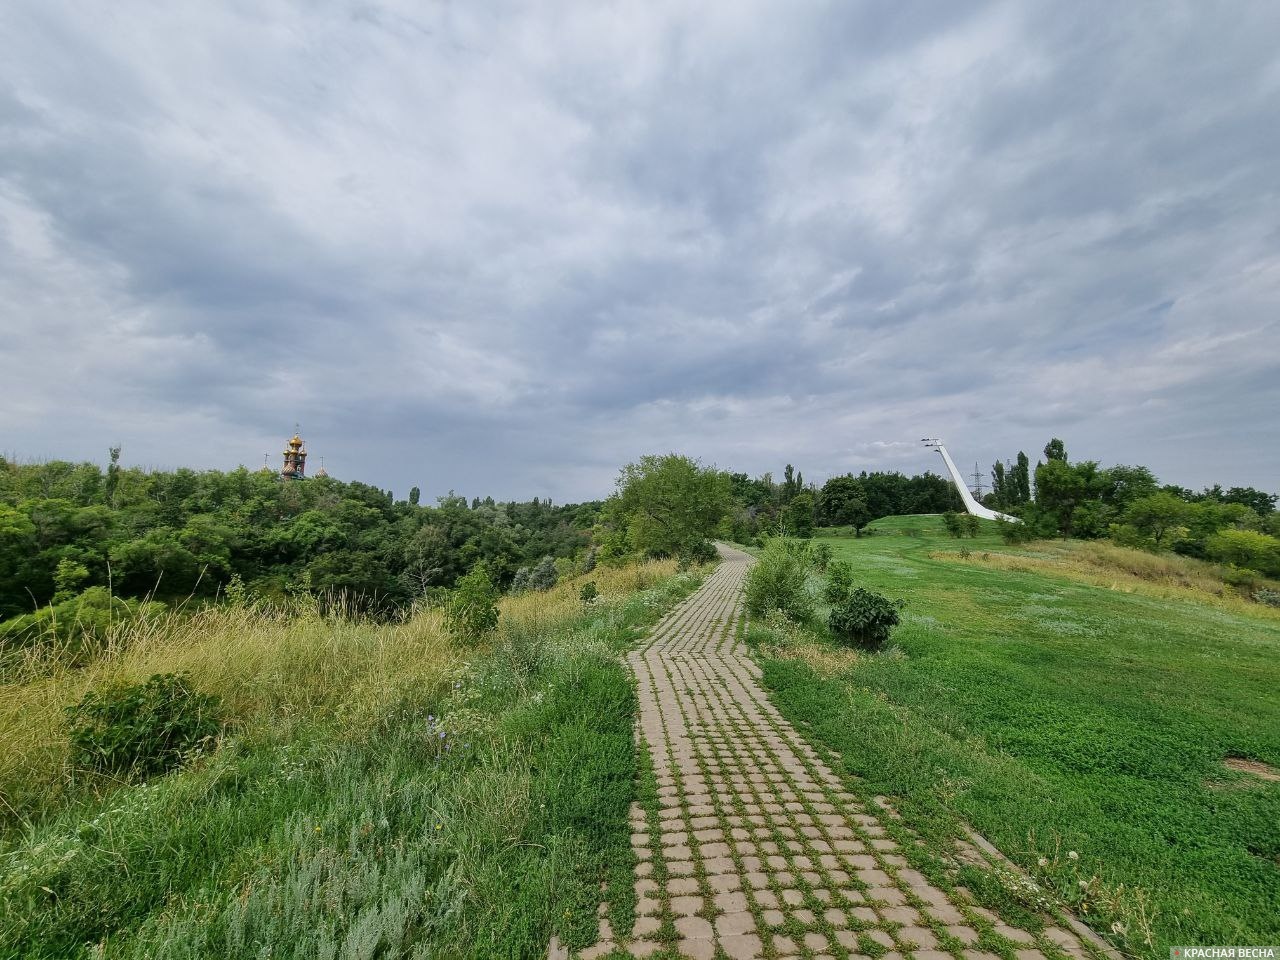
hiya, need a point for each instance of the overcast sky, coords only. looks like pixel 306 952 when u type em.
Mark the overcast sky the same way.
pixel 506 248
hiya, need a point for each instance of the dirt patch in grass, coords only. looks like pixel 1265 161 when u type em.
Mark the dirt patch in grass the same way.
pixel 1255 767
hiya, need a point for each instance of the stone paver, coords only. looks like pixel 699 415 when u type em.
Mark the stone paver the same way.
pixel 760 852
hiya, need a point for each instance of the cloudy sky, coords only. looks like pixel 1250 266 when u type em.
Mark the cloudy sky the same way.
pixel 506 248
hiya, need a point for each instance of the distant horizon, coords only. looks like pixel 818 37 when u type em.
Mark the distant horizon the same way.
pixel 430 495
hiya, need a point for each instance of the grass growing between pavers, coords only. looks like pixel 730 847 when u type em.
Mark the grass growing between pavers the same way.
pixel 1081 729
pixel 326 832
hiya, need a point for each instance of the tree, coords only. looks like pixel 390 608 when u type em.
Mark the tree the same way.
pixel 842 502
pixel 1124 484
pixel 1156 515
pixel 1246 548
pixel 1055 449
pixel 415 496
pixel 669 505
pixel 113 476
pixel 1022 479
pixel 799 515
pixel 1000 486
pixel 791 484
pixel 1061 487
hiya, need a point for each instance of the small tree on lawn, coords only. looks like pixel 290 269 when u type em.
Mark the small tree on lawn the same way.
pixel 864 619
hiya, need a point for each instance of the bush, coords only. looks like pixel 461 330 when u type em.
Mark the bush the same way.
pixel 1246 548
pixel 520 582
pixel 589 593
pixel 142 729
pixel 1016 532
pixel 1267 597
pixel 704 552
pixel 545 575
pixel 81 620
pixel 821 555
pixel 839 581
pixel 589 561
pixel 864 619
pixel 972 526
pixel 471 610
pixel 778 582
pixel 952 522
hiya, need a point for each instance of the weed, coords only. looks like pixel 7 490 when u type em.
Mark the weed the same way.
pixel 141 729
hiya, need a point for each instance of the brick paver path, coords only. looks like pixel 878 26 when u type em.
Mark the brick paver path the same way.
pixel 755 849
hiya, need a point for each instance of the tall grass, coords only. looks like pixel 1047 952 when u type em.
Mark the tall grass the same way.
pixel 384 791
pixel 1105 564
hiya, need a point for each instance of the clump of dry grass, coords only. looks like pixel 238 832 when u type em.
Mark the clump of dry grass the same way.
pixel 1105 564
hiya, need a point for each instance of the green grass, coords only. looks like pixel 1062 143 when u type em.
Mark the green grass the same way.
pixel 1058 716
pixel 321 837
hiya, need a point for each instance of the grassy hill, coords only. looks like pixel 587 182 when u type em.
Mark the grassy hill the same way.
pixel 1079 705
pixel 380 789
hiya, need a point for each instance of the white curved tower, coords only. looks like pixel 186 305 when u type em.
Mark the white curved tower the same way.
pixel 970 504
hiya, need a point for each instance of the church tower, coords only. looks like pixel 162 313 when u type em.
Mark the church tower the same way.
pixel 295 460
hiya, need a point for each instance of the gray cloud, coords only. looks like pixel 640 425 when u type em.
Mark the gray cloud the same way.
pixel 476 247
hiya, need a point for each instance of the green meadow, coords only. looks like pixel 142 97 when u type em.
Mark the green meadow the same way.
pixel 1077 704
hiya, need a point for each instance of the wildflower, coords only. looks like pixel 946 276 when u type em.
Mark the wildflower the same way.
pixel 1119 928
pixel 1083 884
pixel 319 829
pixel 1043 861
pixel 439 826
pixel 1072 855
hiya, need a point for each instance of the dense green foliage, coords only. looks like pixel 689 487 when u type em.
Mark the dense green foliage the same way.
pixel 67 527
pixel 862 618
pixel 839 581
pixel 1237 526
pixel 763 507
pixel 143 728
pixel 1059 717
pixel 666 506
pixel 471 609
pixel 778 581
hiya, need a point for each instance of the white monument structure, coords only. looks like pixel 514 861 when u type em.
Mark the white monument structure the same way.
pixel 970 504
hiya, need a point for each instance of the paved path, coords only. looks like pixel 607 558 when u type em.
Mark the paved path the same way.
pixel 755 849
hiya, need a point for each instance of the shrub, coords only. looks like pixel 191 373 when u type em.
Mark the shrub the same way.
pixel 864 619
pixel 545 575
pixel 704 552
pixel 778 582
pixel 970 523
pixel 1246 548
pixel 589 593
pixel 142 729
pixel 821 555
pixel 471 610
pixel 839 581
pixel 1267 597
pixel 520 582
pixel 1016 532
pixel 81 620
pixel 952 522
pixel 589 561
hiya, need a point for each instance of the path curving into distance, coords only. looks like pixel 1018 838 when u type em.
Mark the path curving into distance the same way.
pixel 755 849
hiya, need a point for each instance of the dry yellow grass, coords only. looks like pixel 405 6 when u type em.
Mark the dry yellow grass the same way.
pixel 273 669
pixel 1104 564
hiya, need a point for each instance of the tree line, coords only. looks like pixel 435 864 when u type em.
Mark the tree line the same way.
pixel 1128 504
pixel 70 528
